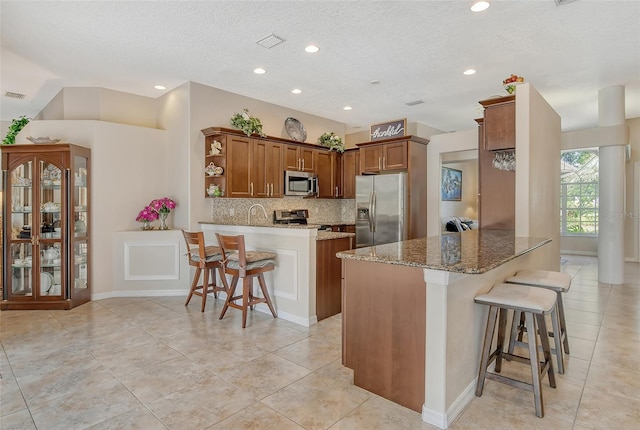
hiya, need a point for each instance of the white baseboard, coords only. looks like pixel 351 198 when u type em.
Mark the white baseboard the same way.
pixel 306 322
pixel 443 421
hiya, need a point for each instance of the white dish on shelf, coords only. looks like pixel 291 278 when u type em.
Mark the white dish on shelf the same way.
pixel 42 140
pixel 46 281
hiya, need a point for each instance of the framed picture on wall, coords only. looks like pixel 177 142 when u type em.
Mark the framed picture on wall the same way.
pixel 451 187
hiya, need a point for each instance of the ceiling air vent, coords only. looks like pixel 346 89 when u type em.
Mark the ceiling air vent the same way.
pixel 14 95
pixel 563 2
pixel 415 102
pixel 270 41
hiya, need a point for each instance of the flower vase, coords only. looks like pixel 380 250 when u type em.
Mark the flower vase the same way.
pixel 163 220
pixel 146 225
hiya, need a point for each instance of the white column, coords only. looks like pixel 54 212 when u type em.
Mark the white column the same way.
pixel 612 190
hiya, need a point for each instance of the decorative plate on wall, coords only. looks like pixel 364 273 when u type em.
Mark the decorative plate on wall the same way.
pixel 295 129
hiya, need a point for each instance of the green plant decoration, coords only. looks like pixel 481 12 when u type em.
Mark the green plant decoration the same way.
pixel 247 123
pixel 331 141
pixel 17 124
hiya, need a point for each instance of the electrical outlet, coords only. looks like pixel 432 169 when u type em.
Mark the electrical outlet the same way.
pixel 232 211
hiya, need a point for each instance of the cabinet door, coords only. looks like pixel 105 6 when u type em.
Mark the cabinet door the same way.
pixel 325 168
pixel 371 159
pixel 239 167
pixel 292 158
pixel 308 158
pixel 500 126
pixel 394 156
pixel 268 172
pixel 350 166
pixel 275 168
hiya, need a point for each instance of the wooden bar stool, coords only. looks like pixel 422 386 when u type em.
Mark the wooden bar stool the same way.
pixel 203 258
pixel 558 282
pixel 535 303
pixel 246 265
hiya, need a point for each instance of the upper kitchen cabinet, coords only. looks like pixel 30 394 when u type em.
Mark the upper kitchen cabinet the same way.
pixel 239 167
pixel 376 157
pixel 328 171
pixel 350 168
pixel 46 224
pixel 499 123
pixel 299 158
pixel 268 177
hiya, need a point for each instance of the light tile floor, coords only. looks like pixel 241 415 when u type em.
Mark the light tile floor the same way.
pixel 152 363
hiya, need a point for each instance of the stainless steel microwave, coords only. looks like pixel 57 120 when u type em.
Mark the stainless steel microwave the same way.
pixel 300 183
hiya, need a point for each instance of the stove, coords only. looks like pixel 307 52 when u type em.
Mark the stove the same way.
pixel 294 216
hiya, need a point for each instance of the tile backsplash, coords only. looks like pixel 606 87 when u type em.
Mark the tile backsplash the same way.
pixel 321 211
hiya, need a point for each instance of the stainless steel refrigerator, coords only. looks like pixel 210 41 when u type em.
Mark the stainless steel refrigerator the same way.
pixel 381 215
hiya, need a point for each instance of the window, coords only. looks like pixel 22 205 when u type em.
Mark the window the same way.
pixel 579 193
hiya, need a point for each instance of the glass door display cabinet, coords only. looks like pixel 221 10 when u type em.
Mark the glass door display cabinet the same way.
pixel 46 226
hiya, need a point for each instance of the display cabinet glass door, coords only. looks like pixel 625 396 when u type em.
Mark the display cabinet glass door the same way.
pixel 36 231
pixel 79 273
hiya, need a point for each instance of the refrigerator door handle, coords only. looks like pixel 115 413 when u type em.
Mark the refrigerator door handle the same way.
pixel 370 217
pixel 372 214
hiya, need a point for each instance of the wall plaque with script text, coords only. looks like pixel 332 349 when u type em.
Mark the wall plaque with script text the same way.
pixel 387 130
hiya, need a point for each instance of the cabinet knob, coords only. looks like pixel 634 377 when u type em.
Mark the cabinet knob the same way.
pixel 251 188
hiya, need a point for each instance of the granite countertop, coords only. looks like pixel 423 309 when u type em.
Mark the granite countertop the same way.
pixel 270 224
pixel 328 235
pixel 470 252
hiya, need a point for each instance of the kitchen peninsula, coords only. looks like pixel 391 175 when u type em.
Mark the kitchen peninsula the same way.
pixel 411 330
pixel 297 293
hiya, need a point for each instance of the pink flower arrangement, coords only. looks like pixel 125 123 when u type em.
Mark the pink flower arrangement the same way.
pixel 147 214
pixel 163 205
pixel 152 211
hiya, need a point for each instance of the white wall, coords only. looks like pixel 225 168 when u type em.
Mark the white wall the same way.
pixel 127 165
pixel 538 138
pixel 468 206
pixel 439 145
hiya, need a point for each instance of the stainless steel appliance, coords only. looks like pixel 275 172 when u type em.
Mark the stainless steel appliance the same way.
pixel 300 183
pixel 294 216
pixel 381 215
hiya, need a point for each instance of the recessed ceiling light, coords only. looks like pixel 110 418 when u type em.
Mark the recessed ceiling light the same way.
pixel 347 108
pixel 312 49
pixel 479 6
pixel 469 72
pixel 160 87
pixel 259 71
pixel 296 91
pixel 374 82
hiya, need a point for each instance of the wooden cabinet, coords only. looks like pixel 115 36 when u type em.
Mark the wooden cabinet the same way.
pixel 328 276
pixel 499 123
pixel 239 167
pixel 377 158
pixel 46 220
pixel 350 168
pixel 299 158
pixel 496 190
pixel 328 170
pixel 268 171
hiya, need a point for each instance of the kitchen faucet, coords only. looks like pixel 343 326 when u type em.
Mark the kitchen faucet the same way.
pixel 253 206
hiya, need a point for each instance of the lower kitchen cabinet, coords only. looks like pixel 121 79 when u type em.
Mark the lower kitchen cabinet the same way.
pixel 329 276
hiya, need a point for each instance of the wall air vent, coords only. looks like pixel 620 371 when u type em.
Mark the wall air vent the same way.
pixel 270 41
pixel 415 102
pixel 14 95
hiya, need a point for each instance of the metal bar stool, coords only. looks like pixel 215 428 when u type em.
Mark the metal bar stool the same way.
pixel 246 265
pixel 203 258
pixel 558 282
pixel 535 303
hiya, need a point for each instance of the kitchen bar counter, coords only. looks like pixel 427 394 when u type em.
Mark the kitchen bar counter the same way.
pixel 411 329
pixel 470 252
pixel 329 235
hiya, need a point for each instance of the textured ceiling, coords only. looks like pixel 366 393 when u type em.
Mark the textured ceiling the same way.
pixel 416 49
